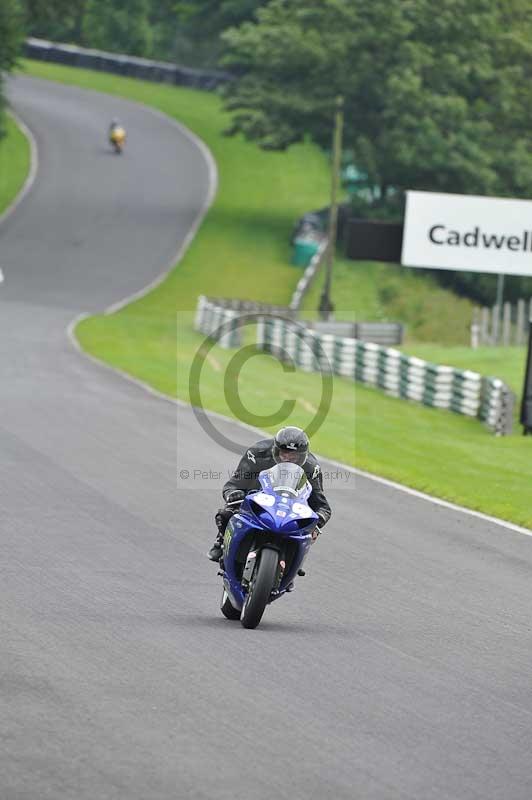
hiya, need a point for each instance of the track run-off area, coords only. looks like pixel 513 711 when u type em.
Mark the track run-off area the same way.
pixel 399 668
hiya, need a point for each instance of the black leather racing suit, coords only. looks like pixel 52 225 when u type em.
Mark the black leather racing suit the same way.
pixel 246 478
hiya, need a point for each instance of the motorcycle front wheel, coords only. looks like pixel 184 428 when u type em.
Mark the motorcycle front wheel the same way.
pixel 260 588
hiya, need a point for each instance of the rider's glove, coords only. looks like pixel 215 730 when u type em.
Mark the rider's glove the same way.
pixel 234 496
pixel 319 526
pixel 315 533
pixel 321 520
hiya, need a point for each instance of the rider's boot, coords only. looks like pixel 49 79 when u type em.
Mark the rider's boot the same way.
pixel 291 586
pixel 215 553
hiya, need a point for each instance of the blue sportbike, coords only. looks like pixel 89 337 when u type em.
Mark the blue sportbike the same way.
pixel 266 542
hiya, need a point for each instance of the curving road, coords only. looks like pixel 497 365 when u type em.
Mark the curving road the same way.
pixel 401 666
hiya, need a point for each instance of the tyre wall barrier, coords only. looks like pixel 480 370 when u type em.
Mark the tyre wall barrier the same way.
pixel 217 322
pixel 130 66
pixel 218 317
pixel 462 391
pixel 210 316
pixel 251 306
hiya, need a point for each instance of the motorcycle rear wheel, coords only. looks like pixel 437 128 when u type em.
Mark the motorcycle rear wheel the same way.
pixel 227 608
pixel 260 589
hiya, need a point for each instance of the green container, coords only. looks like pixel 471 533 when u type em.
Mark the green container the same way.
pixel 304 250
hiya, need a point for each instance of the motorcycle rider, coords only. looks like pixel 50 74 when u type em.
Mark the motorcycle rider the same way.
pixel 116 131
pixel 289 444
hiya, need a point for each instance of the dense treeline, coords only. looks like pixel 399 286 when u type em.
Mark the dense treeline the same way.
pixel 187 32
pixel 11 31
pixel 434 99
pixel 437 101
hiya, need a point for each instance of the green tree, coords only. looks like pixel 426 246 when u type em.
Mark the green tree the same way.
pixel 201 22
pixel 58 20
pixel 121 26
pixel 207 17
pixel 164 27
pixel 10 38
pixel 435 99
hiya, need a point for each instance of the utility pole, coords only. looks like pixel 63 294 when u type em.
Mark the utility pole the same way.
pixel 326 307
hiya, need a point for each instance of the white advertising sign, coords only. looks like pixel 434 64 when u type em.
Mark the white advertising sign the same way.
pixel 467 232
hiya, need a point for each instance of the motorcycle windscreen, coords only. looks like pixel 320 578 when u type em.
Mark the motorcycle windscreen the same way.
pixel 285 477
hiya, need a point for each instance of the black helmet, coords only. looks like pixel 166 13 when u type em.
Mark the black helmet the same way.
pixel 291 441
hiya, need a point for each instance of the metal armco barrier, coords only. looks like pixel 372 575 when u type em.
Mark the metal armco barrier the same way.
pixel 399 375
pixel 387 333
pixel 131 66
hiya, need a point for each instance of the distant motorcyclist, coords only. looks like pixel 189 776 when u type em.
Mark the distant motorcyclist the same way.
pixel 117 134
pixel 290 444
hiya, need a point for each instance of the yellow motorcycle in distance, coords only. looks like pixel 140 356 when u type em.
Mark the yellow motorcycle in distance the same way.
pixel 117 136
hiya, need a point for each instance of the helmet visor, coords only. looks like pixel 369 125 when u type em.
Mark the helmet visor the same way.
pixel 283 455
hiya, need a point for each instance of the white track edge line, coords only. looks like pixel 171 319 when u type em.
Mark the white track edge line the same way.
pixel 430 498
pixel 213 183
pixel 34 165
pixel 74 341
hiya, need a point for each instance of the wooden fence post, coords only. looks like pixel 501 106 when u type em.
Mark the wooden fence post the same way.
pixel 475 330
pixel 506 322
pixel 495 325
pixel 520 323
pixel 484 326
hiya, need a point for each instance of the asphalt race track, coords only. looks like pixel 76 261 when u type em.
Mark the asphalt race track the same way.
pixel 399 668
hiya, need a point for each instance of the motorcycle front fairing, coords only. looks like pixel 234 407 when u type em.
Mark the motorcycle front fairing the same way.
pixel 277 515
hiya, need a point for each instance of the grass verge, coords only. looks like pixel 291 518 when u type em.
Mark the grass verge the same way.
pixel 431 450
pixel 15 158
pixel 260 196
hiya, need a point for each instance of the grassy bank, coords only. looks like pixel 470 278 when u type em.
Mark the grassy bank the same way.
pixel 373 292
pixel 431 450
pixel 14 163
